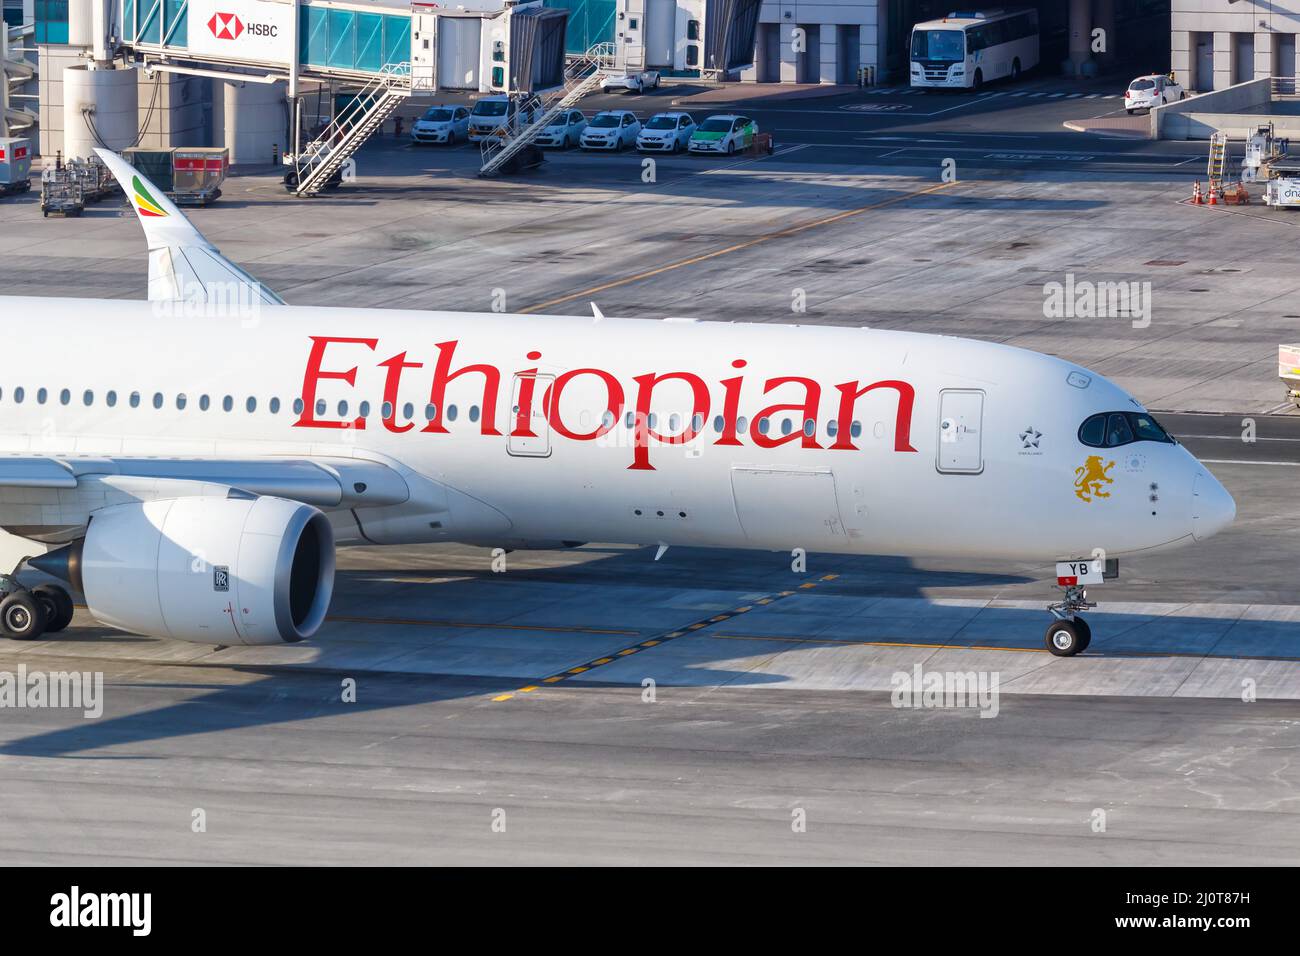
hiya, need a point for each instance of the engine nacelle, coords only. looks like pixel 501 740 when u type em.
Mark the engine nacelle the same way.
pixel 233 570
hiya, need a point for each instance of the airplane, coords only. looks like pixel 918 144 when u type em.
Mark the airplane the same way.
pixel 190 463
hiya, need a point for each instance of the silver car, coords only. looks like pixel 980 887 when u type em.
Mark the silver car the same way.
pixel 565 131
pixel 666 133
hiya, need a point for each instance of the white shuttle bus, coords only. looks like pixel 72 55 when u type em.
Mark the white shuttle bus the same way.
pixel 967 49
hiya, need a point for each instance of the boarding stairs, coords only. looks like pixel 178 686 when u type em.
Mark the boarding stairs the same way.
pixel 315 167
pixel 582 74
pixel 15 73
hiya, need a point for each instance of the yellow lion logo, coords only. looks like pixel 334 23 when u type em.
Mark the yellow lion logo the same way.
pixel 1089 478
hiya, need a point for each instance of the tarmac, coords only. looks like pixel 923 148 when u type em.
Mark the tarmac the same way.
pixel 615 708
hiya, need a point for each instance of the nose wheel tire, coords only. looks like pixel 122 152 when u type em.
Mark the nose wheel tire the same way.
pixel 22 617
pixel 1067 638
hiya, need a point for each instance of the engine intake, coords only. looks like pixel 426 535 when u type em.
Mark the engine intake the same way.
pixel 233 570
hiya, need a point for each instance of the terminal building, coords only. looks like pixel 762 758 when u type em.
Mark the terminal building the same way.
pixel 257 75
pixel 1215 44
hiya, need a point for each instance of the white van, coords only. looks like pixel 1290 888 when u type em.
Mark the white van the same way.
pixel 491 114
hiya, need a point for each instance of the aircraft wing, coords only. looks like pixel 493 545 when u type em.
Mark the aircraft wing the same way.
pixel 51 498
pixel 183 266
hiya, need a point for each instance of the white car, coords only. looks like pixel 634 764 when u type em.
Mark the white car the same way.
pixel 632 82
pixel 1154 89
pixel 565 131
pixel 441 124
pixel 666 133
pixel 612 130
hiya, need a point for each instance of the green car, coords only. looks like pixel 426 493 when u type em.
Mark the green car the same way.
pixel 726 134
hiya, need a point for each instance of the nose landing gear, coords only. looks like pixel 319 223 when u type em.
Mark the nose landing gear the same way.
pixel 1069 634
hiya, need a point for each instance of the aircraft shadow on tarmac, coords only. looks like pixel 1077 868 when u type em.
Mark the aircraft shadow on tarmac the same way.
pixel 860 614
pixel 285 694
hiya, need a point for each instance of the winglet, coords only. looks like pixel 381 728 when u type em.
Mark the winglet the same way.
pixel 163 223
pixel 183 265
pixel 596 313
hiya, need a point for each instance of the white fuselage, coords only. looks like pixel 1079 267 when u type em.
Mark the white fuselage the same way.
pixel 1006 478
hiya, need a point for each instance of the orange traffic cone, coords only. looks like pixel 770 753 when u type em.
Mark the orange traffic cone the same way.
pixel 1213 201
pixel 1197 198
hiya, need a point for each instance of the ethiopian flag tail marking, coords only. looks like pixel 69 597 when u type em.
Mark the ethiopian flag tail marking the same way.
pixel 147 205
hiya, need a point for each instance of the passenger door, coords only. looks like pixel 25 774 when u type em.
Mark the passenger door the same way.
pixel 961 426
pixel 529 390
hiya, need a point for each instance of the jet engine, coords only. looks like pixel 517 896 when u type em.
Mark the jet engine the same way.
pixel 238 569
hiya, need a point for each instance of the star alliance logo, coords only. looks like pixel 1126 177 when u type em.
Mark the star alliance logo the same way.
pixel 1029 437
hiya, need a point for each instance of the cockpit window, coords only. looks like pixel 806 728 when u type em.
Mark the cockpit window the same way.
pixel 1148 429
pixel 1112 429
pixel 1093 431
pixel 1118 430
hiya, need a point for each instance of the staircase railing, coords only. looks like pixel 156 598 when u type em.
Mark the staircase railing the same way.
pixel 582 74
pixel 348 131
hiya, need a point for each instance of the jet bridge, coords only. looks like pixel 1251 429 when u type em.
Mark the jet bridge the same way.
pixel 375 53
pixel 709 38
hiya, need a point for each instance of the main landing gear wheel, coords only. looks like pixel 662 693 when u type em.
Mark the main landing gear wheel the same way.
pixel 57 604
pixel 22 617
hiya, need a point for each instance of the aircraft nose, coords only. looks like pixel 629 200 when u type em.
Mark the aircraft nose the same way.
pixel 1212 507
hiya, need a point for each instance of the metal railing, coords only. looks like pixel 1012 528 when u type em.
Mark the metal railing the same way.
pixel 325 155
pixel 1283 86
pixel 534 113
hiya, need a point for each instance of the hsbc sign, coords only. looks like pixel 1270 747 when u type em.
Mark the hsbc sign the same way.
pixel 226 26
pixel 258 31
